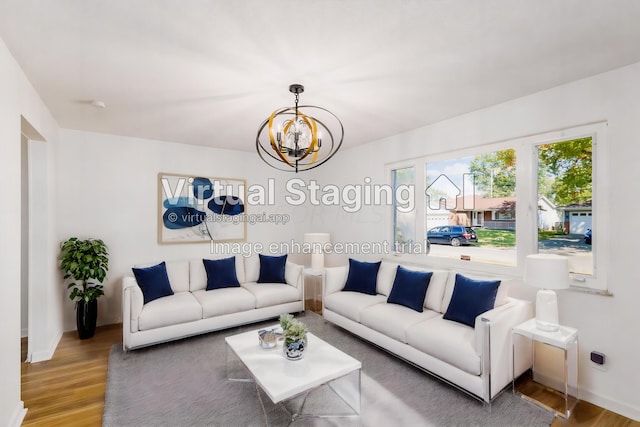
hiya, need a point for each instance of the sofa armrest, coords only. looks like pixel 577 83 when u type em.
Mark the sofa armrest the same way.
pixel 334 279
pixel 494 344
pixel 132 303
pixel 293 276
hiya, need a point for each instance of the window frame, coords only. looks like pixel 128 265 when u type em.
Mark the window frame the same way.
pixel 526 208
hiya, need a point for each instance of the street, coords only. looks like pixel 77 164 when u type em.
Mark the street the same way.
pixel 571 245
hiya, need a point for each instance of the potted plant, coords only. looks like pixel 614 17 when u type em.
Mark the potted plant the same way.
pixel 295 337
pixel 84 261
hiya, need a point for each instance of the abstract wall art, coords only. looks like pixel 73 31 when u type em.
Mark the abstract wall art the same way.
pixel 195 209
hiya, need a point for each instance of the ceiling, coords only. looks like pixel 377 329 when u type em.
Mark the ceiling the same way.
pixel 208 72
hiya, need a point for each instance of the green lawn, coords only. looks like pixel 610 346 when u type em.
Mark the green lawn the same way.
pixel 499 238
pixel 505 238
pixel 544 235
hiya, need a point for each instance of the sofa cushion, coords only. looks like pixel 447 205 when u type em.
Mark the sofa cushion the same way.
pixel 268 294
pixel 272 269
pixel 362 277
pixel 218 302
pixel 451 342
pixel 178 272
pixel 386 276
pixel 153 281
pixel 393 320
pixel 335 278
pixel 252 268
pixel 221 273
pixel 292 273
pixel 180 307
pixel 501 297
pixel 409 288
pixel 436 290
pixel 471 298
pixel 350 304
pixel 198 274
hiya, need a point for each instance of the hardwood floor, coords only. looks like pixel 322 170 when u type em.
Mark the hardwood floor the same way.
pixel 68 390
pixel 584 413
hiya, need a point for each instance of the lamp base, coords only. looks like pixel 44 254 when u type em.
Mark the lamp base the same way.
pixel 547 310
pixel 317 261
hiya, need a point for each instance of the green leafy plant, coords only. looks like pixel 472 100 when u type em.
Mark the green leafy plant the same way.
pixel 292 329
pixel 84 261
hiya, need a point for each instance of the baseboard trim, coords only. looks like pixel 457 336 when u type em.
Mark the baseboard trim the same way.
pixel 18 415
pixel 41 356
pixel 623 409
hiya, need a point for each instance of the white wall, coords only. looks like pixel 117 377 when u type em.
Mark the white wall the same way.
pixel 18 99
pixel 607 324
pixel 107 188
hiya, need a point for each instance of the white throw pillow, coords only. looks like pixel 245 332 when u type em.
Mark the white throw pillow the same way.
pixel 386 276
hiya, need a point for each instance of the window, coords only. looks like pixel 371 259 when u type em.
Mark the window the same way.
pixel 565 195
pixel 404 213
pixel 475 191
pixel 554 208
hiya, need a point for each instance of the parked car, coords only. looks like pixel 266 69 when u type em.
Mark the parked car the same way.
pixel 454 235
pixel 587 237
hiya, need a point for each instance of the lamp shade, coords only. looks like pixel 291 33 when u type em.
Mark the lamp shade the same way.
pixel 317 238
pixel 547 271
pixel 317 241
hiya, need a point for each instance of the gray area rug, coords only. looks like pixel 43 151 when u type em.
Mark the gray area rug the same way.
pixel 184 383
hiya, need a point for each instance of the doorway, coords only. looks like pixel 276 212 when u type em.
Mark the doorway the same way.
pixel 34 237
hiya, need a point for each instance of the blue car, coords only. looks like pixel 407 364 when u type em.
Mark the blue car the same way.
pixel 587 237
pixel 454 235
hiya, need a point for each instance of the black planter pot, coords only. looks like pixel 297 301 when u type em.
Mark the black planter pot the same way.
pixel 86 316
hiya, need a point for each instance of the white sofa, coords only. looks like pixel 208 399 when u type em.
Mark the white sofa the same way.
pixel 477 360
pixel 193 310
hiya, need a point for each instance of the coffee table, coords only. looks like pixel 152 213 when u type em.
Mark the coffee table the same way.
pixel 283 380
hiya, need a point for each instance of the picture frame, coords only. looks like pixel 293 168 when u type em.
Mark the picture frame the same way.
pixel 200 209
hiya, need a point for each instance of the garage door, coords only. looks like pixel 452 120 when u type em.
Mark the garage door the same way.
pixel 579 222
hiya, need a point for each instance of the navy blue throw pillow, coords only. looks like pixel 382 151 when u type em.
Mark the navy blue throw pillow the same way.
pixel 362 277
pixel 153 281
pixel 471 298
pixel 221 273
pixel 410 288
pixel 272 269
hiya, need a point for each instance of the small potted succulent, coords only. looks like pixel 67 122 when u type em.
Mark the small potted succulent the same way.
pixel 84 261
pixel 295 337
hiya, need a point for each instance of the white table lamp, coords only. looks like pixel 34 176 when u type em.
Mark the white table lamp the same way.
pixel 317 242
pixel 547 272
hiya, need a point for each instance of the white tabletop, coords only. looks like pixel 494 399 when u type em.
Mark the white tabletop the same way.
pixel 560 338
pixel 282 379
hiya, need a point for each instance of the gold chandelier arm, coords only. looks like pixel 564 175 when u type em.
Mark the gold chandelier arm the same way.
pixel 274 145
pixel 311 123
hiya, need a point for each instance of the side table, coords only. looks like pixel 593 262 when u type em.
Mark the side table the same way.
pixel 566 341
pixel 313 290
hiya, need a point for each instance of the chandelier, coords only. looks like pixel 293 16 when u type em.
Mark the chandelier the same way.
pixel 299 138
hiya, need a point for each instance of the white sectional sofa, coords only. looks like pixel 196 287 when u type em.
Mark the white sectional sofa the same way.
pixel 476 359
pixel 193 310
